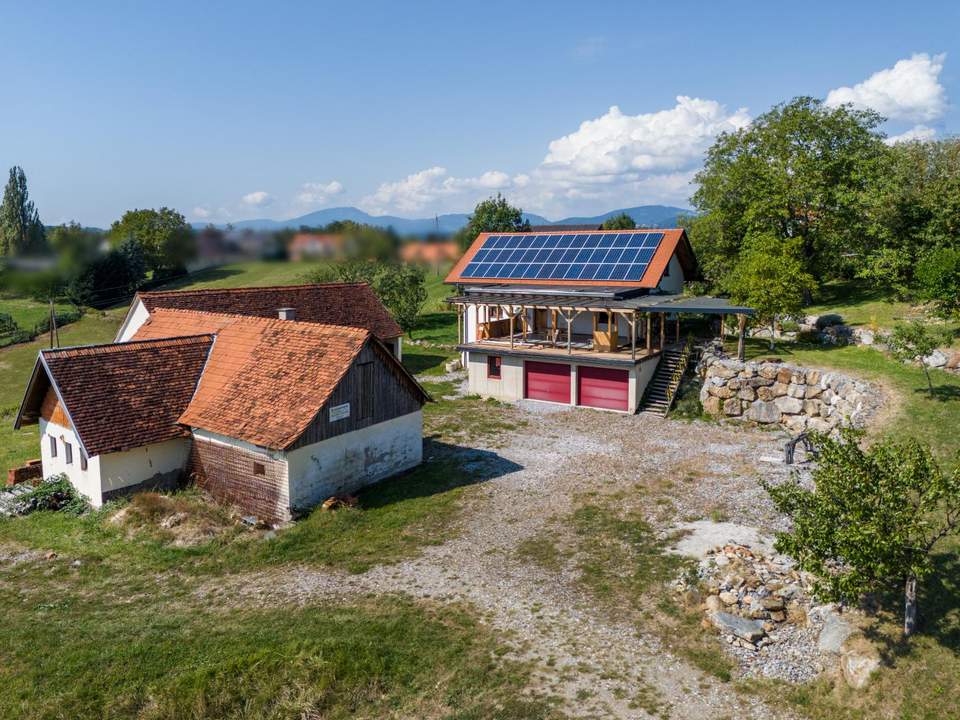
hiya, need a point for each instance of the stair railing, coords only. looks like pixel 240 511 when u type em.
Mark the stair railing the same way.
pixel 680 370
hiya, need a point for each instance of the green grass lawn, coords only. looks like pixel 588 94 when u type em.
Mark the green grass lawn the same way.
pixel 860 304
pixel 27 313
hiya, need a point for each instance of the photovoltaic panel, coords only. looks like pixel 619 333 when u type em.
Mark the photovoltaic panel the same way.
pixel 581 256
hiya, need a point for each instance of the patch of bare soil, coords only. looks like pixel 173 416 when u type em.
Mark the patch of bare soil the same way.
pixel 599 664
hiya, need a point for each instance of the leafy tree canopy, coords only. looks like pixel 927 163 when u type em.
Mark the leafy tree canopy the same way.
pixel 167 240
pixel 401 287
pixel 937 278
pixel 872 519
pixel 771 277
pixel 21 232
pixel 619 222
pixel 800 173
pixel 494 214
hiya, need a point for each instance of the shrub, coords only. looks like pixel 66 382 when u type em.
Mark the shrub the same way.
pixel 53 494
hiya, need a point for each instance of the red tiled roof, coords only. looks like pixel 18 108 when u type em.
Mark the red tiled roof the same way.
pixel 266 379
pixel 122 396
pixel 672 240
pixel 350 304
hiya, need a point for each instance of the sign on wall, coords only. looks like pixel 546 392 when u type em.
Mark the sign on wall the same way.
pixel 339 412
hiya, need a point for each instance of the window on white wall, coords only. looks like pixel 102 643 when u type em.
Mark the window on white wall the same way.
pixel 83 459
pixel 53 446
pixel 67 453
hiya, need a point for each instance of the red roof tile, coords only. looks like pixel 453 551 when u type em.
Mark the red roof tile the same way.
pixel 126 395
pixel 350 304
pixel 266 379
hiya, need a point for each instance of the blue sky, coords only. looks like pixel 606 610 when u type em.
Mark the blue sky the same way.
pixel 228 111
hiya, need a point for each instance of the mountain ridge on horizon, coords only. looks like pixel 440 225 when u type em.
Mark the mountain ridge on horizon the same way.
pixel 645 215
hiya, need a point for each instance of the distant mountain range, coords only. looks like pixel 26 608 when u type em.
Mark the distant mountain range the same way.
pixel 644 215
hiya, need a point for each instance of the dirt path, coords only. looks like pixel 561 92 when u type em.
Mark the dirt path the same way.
pixel 601 667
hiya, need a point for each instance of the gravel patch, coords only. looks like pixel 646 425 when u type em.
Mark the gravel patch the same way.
pixel 597 665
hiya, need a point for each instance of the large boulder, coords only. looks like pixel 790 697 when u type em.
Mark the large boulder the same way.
pixel 789 405
pixel 858 662
pixel 938 359
pixel 834 632
pixel 750 630
pixel 712 405
pixel 764 412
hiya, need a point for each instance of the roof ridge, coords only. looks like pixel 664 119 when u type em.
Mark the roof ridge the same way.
pixel 171 341
pixel 241 318
pixel 302 286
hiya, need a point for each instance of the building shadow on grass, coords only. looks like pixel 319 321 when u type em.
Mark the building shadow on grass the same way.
pixel 445 468
pixel 436 326
pixel 421 362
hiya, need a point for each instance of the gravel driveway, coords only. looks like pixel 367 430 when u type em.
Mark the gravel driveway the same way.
pixel 597 665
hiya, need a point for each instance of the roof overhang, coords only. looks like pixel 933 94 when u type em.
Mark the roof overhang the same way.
pixel 682 304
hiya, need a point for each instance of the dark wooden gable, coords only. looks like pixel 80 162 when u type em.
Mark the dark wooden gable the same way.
pixel 376 388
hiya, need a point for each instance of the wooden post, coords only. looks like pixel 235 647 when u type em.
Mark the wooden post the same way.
pixel 722 318
pixel 663 330
pixel 554 322
pixel 649 332
pixel 569 332
pixel 742 328
pixel 523 323
pixel 678 328
pixel 511 330
pixel 633 336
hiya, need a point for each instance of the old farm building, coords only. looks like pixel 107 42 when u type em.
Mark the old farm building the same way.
pixel 579 318
pixel 269 414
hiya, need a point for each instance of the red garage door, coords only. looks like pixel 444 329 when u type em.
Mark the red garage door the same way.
pixel 602 387
pixel 546 381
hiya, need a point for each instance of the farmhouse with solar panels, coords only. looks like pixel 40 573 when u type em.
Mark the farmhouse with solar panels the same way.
pixel 580 318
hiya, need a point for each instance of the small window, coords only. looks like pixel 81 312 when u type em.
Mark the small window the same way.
pixel 259 469
pixel 53 446
pixel 493 366
pixel 83 459
pixel 67 453
pixel 366 391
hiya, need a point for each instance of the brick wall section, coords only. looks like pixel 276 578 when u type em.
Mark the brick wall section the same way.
pixel 30 472
pixel 226 472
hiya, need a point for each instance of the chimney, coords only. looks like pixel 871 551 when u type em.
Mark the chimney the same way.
pixel 287 313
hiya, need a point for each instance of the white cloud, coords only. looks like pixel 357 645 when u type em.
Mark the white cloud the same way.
pixel 312 193
pixel 910 90
pixel 917 132
pixel 615 158
pixel 202 213
pixel 431 188
pixel 260 198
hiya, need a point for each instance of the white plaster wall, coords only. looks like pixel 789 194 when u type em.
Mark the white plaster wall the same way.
pixel 398 348
pixel 136 316
pixel 348 462
pixel 508 388
pixel 672 283
pixel 471 323
pixel 640 378
pixel 87 482
pixel 156 462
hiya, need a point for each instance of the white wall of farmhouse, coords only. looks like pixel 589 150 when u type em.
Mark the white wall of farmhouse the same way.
pixel 345 463
pixel 159 464
pixel 672 280
pixel 136 316
pixel 105 474
pixel 87 482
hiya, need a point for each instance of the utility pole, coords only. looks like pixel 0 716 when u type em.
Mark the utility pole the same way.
pixel 53 325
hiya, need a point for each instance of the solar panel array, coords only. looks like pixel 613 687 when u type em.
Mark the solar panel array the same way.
pixel 573 256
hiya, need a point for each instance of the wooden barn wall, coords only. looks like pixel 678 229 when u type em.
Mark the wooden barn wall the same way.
pixel 52 411
pixel 392 397
pixel 226 472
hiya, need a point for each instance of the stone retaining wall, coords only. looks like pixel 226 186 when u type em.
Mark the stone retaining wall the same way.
pixel 794 397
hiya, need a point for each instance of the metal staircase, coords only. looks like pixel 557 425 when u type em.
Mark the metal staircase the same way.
pixel 662 388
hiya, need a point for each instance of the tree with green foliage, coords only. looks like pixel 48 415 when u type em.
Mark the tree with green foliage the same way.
pixel 915 341
pixel 872 520
pixel 167 240
pixel 937 279
pixel 401 287
pixel 800 173
pixel 912 210
pixel 21 232
pixel 770 276
pixel 619 222
pixel 74 246
pixel 494 214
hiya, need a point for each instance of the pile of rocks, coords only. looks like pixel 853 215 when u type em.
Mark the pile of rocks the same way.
pixel 763 608
pixel 794 397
